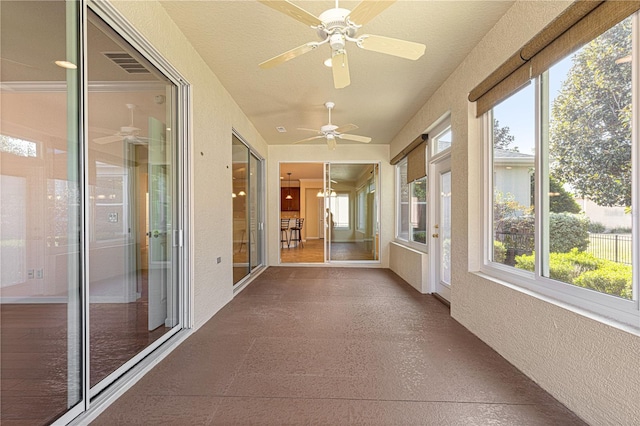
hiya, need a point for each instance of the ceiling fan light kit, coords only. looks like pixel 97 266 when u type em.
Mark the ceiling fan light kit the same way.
pixel 338 26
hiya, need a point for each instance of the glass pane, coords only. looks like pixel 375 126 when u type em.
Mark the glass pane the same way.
pixel 41 313
pixel 255 236
pixel 351 242
pixel 513 174
pixel 240 158
pixel 403 209
pixel 442 141
pixel 445 227
pixel 588 190
pixel 132 175
pixel 418 219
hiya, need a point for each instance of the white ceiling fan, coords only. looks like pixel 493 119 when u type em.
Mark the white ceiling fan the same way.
pixel 336 27
pixel 129 134
pixel 332 132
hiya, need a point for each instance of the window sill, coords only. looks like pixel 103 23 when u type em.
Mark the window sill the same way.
pixel 421 248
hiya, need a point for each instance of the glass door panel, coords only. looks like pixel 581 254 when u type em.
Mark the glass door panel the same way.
pixel 255 216
pixel 353 208
pixel 441 227
pixel 131 204
pixel 40 240
pixel 239 196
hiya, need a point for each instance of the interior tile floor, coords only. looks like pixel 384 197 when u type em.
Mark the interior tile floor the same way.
pixel 312 251
pixel 307 345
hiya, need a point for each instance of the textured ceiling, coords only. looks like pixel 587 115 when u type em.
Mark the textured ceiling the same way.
pixel 233 37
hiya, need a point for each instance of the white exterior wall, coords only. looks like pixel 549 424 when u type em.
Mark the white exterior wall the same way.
pixel 611 217
pixel 591 367
pixel 214 115
pixel 515 181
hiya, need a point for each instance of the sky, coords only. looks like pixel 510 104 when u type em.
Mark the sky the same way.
pixel 517 112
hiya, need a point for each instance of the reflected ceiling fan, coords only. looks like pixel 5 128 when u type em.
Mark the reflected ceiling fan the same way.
pixel 336 27
pixel 332 132
pixel 129 134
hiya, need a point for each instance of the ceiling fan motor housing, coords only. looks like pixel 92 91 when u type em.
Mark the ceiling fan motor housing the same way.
pixel 328 128
pixel 334 22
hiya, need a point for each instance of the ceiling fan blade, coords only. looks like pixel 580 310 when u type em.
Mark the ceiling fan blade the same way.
pixel 340 67
pixel 293 11
pixel 356 138
pixel 108 139
pixel 392 46
pixel 308 130
pixel 346 128
pixel 287 56
pixel 366 10
pixel 310 139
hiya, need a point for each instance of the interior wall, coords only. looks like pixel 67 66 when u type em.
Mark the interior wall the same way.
pixel 344 153
pixel 213 116
pixel 310 212
pixel 591 367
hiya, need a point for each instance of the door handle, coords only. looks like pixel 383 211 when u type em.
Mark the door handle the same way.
pixel 435 235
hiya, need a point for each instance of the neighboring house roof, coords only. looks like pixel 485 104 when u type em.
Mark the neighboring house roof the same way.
pixel 504 157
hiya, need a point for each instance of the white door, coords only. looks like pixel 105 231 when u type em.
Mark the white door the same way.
pixel 159 224
pixel 440 224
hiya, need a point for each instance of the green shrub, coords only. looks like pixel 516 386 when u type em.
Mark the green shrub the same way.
pixel 526 262
pixel 585 270
pixel 499 252
pixel 620 230
pixel 596 227
pixel 613 278
pixel 420 237
pixel 565 267
pixel 568 231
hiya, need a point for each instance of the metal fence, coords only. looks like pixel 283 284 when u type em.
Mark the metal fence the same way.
pixel 515 244
pixel 614 247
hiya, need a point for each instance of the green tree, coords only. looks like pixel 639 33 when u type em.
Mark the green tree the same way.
pixel 560 200
pixel 502 138
pixel 590 141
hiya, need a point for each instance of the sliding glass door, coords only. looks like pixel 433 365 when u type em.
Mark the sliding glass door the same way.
pixel 351 211
pixel 133 290
pixel 91 243
pixel 41 310
pixel 246 196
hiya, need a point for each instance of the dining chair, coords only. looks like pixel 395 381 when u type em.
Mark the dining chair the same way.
pixel 284 232
pixel 295 234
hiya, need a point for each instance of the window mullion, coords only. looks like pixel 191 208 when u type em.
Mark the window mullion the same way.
pixel 542 175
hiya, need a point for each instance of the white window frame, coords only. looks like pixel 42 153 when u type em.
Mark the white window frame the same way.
pixel 361 209
pixel 423 247
pixel 600 306
pixel 438 130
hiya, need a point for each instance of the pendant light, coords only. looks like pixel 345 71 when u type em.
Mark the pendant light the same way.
pixel 289 197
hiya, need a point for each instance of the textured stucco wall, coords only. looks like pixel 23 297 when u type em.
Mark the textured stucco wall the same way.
pixel 410 265
pixel 214 114
pixel 591 367
pixel 344 153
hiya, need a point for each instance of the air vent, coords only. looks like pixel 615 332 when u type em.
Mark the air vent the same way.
pixel 126 62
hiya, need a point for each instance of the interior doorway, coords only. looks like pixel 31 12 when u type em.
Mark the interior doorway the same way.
pixel 337 205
